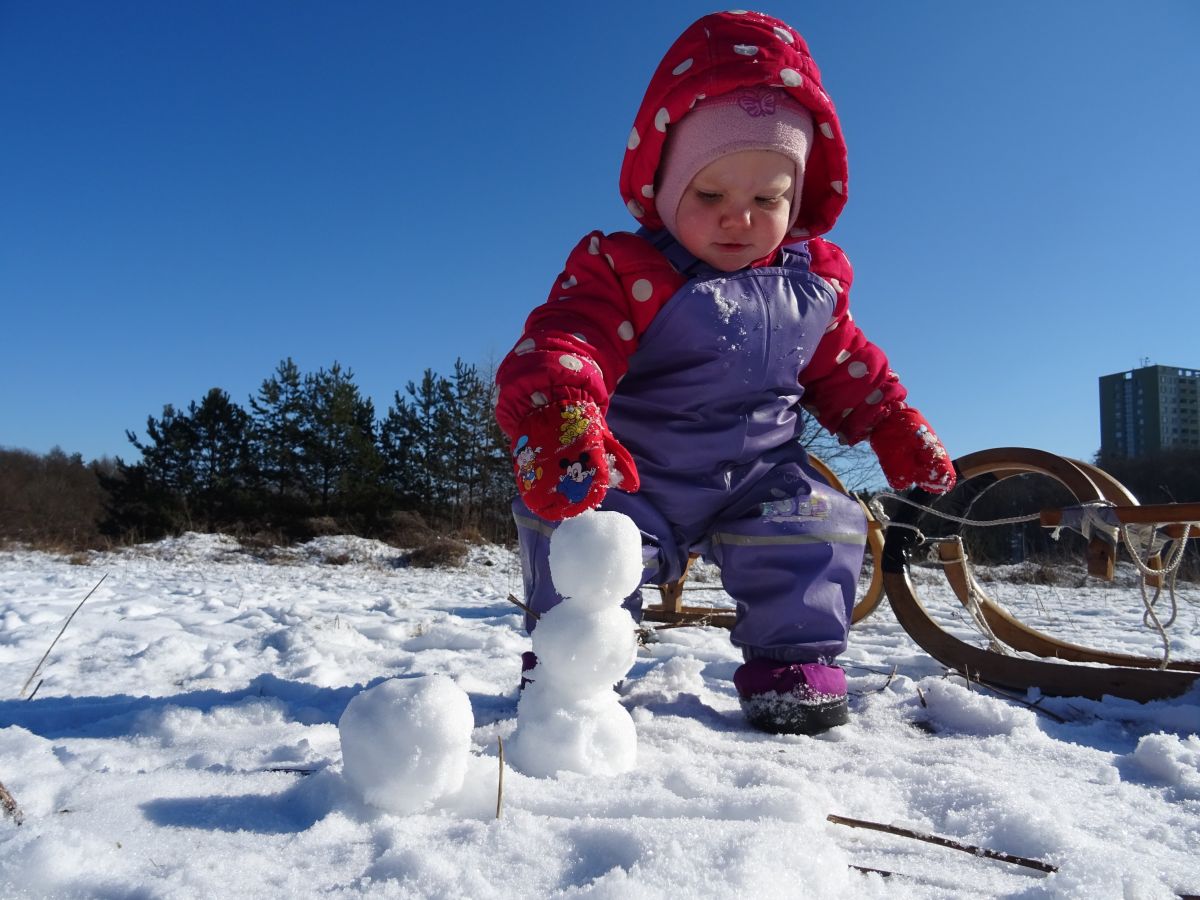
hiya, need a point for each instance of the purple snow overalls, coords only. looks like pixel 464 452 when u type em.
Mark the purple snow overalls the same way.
pixel 709 411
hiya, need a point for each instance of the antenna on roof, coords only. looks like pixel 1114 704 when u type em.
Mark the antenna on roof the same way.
pixel 1145 361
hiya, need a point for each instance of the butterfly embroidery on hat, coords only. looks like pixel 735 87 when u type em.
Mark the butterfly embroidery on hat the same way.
pixel 757 103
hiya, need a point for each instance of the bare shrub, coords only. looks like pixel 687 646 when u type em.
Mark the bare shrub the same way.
pixel 406 528
pixel 261 540
pixel 50 502
pixel 470 535
pixel 439 552
pixel 322 526
pixel 336 559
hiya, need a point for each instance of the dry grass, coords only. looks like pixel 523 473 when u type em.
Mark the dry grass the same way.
pixel 10 808
pixel 439 552
pixel 407 529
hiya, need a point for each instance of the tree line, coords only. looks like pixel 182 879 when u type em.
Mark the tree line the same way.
pixel 309 454
pixel 306 455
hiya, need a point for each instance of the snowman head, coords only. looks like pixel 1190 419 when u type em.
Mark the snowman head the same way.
pixel 596 557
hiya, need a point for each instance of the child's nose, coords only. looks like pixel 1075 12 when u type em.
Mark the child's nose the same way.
pixel 736 217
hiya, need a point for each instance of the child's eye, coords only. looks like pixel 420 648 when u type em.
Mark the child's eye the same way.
pixel 769 202
pixel 708 196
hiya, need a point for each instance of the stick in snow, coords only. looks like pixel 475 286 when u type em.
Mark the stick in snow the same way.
pixel 41 661
pixel 500 783
pixel 1013 697
pixel 945 842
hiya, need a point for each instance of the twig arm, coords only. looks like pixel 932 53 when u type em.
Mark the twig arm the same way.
pixel 512 598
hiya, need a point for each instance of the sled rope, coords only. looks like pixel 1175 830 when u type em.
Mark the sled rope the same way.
pixel 973 605
pixel 877 510
pixel 1145 543
pixel 1140 541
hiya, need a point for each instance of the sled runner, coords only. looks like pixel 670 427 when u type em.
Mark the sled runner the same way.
pixel 1064 669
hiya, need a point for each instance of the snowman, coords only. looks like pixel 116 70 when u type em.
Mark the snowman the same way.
pixel 569 717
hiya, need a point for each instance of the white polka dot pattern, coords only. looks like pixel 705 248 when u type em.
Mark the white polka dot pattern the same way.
pixel 791 77
pixel 842 356
pixel 572 363
pixel 875 396
pixel 634 139
pixel 526 346
pixel 642 290
pixel 662 119
pixel 537 398
pixel 745 49
pixel 683 66
pixel 569 283
pixel 625 331
pixel 857 369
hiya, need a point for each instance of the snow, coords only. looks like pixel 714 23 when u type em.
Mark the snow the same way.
pixel 184 742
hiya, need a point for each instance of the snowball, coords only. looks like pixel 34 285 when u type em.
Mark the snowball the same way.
pixel 591 735
pixel 596 557
pixel 583 651
pixel 406 742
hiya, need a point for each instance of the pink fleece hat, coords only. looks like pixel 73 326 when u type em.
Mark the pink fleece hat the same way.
pixel 754 118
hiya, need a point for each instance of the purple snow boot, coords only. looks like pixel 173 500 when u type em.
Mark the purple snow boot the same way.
pixel 528 661
pixel 792 698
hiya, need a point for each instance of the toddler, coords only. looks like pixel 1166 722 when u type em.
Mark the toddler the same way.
pixel 664 376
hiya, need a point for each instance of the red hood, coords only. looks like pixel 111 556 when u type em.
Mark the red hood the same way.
pixel 720 53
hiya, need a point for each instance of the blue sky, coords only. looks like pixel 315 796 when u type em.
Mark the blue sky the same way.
pixel 192 191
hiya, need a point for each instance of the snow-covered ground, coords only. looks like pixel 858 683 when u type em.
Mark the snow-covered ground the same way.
pixel 183 742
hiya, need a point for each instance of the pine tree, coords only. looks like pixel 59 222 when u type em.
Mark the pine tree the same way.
pixel 341 458
pixel 167 454
pixel 402 449
pixel 419 445
pixel 278 420
pixel 219 457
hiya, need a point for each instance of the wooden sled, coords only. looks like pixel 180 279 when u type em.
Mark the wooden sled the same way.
pixel 672 610
pixel 1080 671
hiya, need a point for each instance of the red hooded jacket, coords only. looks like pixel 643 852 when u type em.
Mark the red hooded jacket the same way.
pixel 577 344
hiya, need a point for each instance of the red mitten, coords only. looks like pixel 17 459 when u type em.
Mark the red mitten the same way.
pixel 910 453
pixel 565 460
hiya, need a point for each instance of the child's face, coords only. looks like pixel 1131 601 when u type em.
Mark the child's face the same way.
pixel 737 208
